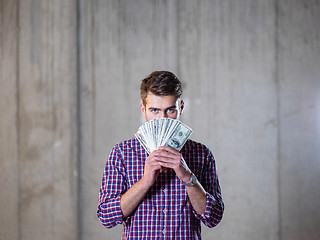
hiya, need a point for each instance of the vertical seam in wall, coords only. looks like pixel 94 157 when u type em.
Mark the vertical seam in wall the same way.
pixel 126 73
pixel 277 81
pixel 78 133
pixel 178 40
pixel 18 116
pixel 92 75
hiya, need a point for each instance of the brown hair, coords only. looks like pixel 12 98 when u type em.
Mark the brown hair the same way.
pixel 160 83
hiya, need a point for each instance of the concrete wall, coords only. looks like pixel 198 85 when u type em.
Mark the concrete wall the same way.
pixel 38 121
pixel 69 90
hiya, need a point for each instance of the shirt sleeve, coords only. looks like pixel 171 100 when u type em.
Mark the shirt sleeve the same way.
pixel 112 187
pixel 214 203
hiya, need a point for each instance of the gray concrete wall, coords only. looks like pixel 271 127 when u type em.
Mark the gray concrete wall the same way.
pixel 38 121
pixel 70 75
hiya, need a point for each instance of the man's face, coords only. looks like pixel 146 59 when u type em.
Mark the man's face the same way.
pixel 161 107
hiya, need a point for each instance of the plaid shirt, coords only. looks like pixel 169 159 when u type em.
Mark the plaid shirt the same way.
pixel 165 212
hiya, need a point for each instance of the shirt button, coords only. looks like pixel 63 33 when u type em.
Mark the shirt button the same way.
pixel 164 210
pixel 165 190
pixel 164 231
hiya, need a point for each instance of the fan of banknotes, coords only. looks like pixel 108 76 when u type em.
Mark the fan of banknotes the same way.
pixel 163 132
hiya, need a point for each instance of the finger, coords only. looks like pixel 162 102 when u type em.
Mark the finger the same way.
pixel 154 163
pixel 164 152
pixel 155 152
pixel 169 149
pixel 163 169
pixel 153 158
pixel 170 161
pixel 166 156
pixel 167 165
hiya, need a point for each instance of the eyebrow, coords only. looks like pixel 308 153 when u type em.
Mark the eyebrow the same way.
pixel 154 108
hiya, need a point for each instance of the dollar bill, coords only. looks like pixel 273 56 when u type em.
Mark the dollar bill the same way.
pixel 163 132
pixel 179 137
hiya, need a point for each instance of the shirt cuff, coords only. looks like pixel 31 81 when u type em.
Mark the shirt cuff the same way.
pixel 213 212
pixel 110 213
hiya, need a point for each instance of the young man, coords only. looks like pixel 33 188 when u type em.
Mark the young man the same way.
pixel 164 195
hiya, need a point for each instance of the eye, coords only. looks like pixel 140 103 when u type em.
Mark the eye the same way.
pixel 154 110
pixel 171 110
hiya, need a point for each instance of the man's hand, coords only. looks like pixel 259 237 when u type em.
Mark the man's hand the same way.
pixel 152 169
pixel 167 157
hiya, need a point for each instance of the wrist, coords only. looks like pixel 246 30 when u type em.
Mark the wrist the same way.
pixel 145 183
pixel 191 182
pixel 186 177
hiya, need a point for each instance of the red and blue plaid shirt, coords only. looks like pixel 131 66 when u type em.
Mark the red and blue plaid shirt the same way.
pixel 165 212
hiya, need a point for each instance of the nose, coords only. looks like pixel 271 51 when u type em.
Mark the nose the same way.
pixel 163 114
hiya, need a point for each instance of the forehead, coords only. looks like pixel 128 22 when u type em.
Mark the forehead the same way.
pixel 156 101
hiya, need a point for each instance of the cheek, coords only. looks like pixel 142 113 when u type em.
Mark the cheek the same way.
pixel 173 114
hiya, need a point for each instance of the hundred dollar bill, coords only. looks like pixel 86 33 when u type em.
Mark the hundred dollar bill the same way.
pixel 163 132
pixel 179 137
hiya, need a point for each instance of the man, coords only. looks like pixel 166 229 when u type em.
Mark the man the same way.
pixel 164 195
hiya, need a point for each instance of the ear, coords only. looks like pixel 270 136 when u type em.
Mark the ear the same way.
pixel 143 109
pixel 181 106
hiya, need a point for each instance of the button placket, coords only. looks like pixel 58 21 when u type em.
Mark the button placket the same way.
pixel 165 191
pixel 165 197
